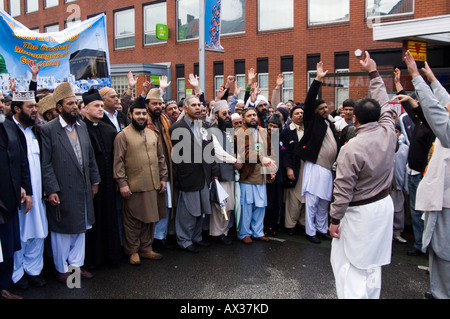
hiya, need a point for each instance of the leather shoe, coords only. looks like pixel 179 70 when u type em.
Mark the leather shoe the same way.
pixel 271 232
pixel 225 240
pixel 400 239
pixel 85 274
pixel 429 295
pixel 313 239
pixel 62 277
pixel 264 238
pixel 324 236
pixel 151 255
pixel 190 249
pixel 202 243
pixel 36 281
pixel 22 284
pixel 135 259
pixel 5 294
pixel 247 240
pixel 162 243
pixel 414 252
pixel 290 231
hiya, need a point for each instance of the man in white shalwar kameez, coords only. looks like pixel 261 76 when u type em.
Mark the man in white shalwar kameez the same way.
pixel 362 212
pixel 29 260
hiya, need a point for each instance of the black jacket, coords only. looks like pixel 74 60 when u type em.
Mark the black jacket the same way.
pixel 315 127
pixel 121 118
pixel 188 175
pixel 421 139
pixel 289 156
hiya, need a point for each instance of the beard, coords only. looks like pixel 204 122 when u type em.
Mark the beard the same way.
pixel 26 119
pixel 2 118
pixel 255 125
pixel 224 124
pixel 68 117
pixel 155 113
pixel 138 126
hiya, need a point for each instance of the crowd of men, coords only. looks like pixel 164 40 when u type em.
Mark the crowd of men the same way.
pixel 90 180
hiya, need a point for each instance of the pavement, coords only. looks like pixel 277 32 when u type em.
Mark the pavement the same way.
pixel 285 269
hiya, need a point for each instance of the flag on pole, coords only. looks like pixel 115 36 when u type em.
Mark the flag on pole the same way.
pixel 212 25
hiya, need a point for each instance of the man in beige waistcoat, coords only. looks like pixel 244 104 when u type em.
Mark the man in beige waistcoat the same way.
pixel 141 173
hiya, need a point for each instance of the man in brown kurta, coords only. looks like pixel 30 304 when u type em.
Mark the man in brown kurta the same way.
pixel 141 173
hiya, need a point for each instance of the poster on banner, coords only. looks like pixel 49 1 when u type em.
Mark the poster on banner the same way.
pixel 78 55
pixel 213 25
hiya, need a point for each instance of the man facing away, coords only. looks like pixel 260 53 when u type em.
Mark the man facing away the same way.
pixel 362 212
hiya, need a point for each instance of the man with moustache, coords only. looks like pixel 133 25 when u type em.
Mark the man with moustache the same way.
pixel 159 124
pixel 70 179
pixel 171 111
pixel 141 172
pixel 318 147
pixel 223 138
pixel 193 173
pixel 112 115
pixel 29 261
pixel 15 190
pixel 253 147
pixel 103 239
pixel 293 165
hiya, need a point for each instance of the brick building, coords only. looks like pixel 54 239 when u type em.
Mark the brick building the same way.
pixel 271 36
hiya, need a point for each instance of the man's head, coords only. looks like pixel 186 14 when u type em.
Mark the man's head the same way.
pixel 366 110
pixel 138 114
pixel 192 108
pixel 155 102
pixel 24 108
pixel 347 108
pixel 239 106
pixel 47 107
pixel 172 110
pixel 250 117
pixel 274 122
pixel 223 114
pixel 236 120
pixel 66 102
pixel 321 108
pixel 2 108
pixel 93 105
pixel 110 98
pixel 261 104
pixel 297 114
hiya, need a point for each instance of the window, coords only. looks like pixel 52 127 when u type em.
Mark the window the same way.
pixel 218 81
pixel 287 68
pixel 124 29
pixel 274 15
pixel 341 65
pixel 328 11
pixel 377 8
pixel 263 76
pixel 180 82
pixel 287 90
pixel 14 7
pixel 51 3
pixel 187 17
pixel 311 65
pixel 232 16
pixel 32 5
pixel 51 28
pixel 120 83
pixel 154 14
pixel 72 22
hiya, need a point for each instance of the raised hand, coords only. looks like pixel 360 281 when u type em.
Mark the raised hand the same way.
pixel 428 73
pixel 34 68
pixel 411 65
pixel 251 75
pixel 320 72
pixel 131 80
pixel 163 84
pixel 368 64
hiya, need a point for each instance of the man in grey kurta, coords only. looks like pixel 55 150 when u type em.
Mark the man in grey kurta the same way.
pixel 70 179
pixel 433 193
